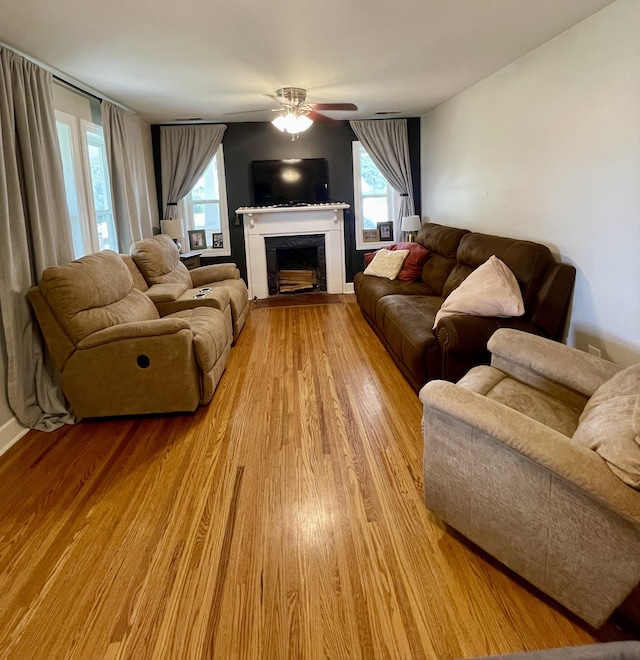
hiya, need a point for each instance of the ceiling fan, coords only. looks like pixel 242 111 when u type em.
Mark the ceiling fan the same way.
pixel 295 115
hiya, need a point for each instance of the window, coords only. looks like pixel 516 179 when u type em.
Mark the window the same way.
pixel 205 207
pixel 375 200
pixel 86 181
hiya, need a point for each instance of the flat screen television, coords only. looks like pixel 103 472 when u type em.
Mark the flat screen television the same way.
pixel 290 182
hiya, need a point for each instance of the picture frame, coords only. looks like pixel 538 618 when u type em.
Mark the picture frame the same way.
pixel 216 240
pixel 197 239
pixel 386 231
pixel 370 235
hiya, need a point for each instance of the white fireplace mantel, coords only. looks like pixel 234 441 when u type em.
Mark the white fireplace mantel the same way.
pixel 259 223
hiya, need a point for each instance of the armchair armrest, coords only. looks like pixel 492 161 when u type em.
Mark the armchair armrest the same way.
pixel 134 330
pixel 214 273
pixel 568 460
pixel 543 362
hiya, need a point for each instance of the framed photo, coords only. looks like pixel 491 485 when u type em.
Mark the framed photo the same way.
pixel 370 235
pixel 197 239
pixel 386 231
pixel 216 241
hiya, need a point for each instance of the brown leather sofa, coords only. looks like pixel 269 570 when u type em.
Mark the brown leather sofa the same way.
pixel 403 313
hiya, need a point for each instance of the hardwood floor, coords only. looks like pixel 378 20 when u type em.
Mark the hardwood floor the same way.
pixel 284 520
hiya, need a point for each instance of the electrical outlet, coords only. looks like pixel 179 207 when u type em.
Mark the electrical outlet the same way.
pixel 592 350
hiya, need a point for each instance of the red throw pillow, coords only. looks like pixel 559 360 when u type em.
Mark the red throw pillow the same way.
pixel 368 258
pixel 412 267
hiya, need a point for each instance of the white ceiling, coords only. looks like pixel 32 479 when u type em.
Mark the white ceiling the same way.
pixel 213 60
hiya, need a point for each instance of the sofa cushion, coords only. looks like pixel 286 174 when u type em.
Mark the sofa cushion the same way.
pixel 405 322
pixel 442 243
pixel 159 261
pixel 94 293
pixel 490 290
pixel 528 261
pixel 386 263
pixel 369 290
pixel 211 334
pixel 610 424
pixel 530 401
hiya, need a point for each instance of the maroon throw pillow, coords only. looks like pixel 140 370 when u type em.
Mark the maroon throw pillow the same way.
pixel 368 258
pixel 412 266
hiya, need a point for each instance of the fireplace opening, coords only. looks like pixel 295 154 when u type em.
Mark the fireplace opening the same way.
pixel 296 264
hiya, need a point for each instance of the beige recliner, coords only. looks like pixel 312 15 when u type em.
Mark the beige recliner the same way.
pixel 173 288
pixel 536 459
pixel 115 354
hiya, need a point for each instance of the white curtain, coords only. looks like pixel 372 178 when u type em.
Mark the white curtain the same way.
pixel 185 152
pixel 386 142
pixel 34 233
pixel 128 174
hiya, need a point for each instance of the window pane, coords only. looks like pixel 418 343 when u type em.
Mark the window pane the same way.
pixel 64 138
pixel 207 216
pixel 207 185
pixel 99 174
pixel 374 210
pixel 372 181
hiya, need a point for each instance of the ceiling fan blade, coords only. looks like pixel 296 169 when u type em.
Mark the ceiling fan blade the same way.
pixel 317 116
pixel 334 106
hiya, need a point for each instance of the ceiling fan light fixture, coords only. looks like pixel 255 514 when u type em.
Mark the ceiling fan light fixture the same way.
pixel 292 121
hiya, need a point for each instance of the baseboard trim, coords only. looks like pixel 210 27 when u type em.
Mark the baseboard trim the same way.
pixel 348 288
pixel 10 433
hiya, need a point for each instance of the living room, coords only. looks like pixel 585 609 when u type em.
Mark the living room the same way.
pixel 547 148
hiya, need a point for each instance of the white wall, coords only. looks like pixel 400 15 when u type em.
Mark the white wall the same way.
pixel 548 149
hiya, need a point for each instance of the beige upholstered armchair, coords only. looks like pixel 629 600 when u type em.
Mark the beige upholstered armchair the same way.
pixel 116 356
pixel 536 459
pixel 166 280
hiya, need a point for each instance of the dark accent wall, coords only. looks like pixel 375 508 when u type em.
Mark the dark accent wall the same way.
pixel 332 140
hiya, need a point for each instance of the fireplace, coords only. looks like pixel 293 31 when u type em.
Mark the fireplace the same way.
pixel 296 264
pixel 317 226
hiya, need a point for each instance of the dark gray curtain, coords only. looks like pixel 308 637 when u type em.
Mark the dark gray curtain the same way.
pixel 386 141
pixel 128 175
pixel 34 233
pixel 185 152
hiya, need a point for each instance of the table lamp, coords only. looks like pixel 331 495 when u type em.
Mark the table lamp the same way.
pixel 411 224
pixel 173 228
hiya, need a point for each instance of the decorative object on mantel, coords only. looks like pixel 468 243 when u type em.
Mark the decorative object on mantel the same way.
pixel 411 224
pixel 295 116
pixel 173 227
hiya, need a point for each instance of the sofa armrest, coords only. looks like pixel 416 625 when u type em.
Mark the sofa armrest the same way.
pixel 165 292
pixel 539 361
pixel 470 334
pixel 560 455
pixel 134 330
pixel 213 273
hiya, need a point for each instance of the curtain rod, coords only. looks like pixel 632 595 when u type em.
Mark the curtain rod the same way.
pixel 67 80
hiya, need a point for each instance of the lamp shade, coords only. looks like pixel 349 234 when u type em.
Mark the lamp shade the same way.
pixel 411 223
pixel 172 228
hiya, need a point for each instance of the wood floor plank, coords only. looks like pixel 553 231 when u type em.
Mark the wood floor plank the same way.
pixel 284 520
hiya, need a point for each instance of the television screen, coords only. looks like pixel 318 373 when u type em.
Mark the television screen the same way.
pixel 292 181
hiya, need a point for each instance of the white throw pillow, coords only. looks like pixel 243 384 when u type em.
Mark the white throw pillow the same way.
pixel 610 424
pixel 386 263
pixel 490 290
